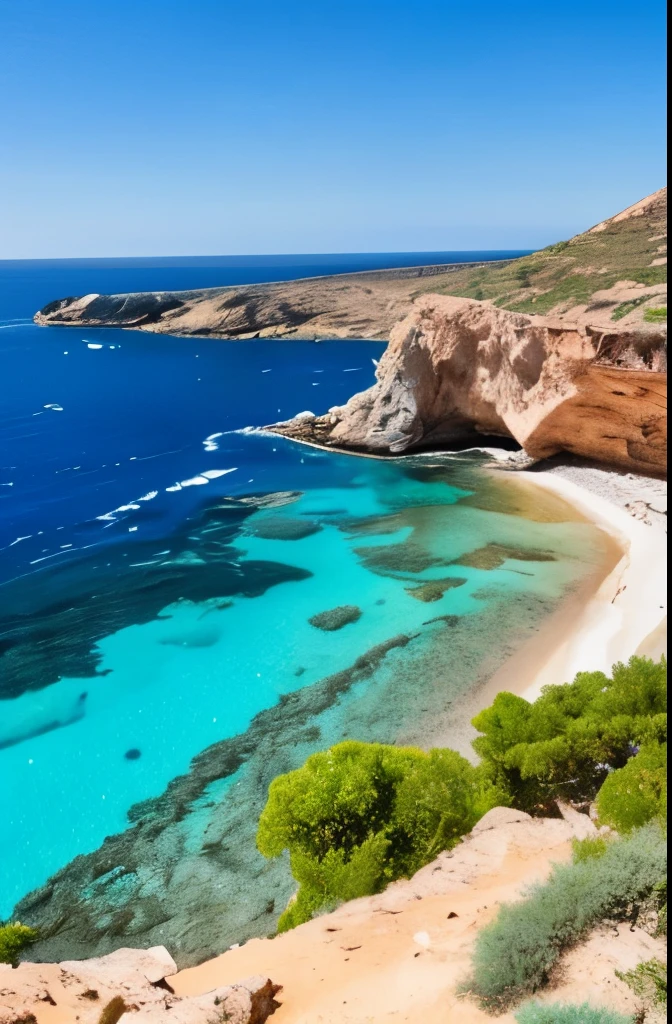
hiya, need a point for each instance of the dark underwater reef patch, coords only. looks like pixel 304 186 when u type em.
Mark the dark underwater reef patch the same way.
pixel 492 556
pixel 336 618
pixel 433 590
pixel 278 527
pixel 51 629
pixel 388 559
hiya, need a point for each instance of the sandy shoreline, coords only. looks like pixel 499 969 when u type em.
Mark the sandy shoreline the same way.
pixel 619 610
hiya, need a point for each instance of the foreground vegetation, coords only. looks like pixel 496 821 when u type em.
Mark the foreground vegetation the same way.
pixel 358 816
pixel 555 1013
pixel 14 939
pixel 515 954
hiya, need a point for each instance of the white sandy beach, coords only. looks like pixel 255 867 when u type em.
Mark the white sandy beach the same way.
pixel 628 613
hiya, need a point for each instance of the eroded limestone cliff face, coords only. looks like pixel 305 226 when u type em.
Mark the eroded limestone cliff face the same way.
pixel 457 369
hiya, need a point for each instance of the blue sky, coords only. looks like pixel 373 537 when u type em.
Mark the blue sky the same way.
pixel 167 127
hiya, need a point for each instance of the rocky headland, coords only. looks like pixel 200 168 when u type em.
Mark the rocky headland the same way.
pixel 561 351
pixel 457 369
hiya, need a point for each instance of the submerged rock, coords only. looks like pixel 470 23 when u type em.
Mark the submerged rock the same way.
pixel 282 528
pixel 492 556
pixel 395 558
pixel 433 590
pixel 336 618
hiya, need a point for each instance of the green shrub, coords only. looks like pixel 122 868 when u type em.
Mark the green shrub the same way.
pixel 14 938
pixel 113 1011
pixel 359 815
pixel 557 1013
pixel 636 793
pixel 590 848
pixel 646 275
pixel 565 743
pixel 514 955
pixel 627 307
pixel 648 981
pixel 656 315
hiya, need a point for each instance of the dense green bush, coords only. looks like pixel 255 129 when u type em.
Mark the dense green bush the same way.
pixel 14 938
pixel 566 742
pixel 589 848
pixel 514 955
pixel 557 1013
pixel 359 815
pixel 636 793
pixel 648 981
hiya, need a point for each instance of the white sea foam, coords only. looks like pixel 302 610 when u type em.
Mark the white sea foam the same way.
pixel 148 496
pixel 353 369
pixel 91 344
pixel 54 406
pixel 212 474
pixel 194 481
pixel 122 508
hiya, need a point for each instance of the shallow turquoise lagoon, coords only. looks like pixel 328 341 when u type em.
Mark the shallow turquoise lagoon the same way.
pixel 366 533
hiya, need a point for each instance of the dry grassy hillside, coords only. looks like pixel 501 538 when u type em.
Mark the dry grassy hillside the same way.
pixel 630 247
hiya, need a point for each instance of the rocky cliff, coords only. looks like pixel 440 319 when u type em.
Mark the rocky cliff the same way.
pixel 457 369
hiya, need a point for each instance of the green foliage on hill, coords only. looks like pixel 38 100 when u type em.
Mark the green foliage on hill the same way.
pixel 360 815
pixel 648 980
pixel 568 1013
pixel 514 954
pixel 656 315
pixel 568 273
pixel 590 848
pixel 566 743
pixel 636 793
pixel 14 938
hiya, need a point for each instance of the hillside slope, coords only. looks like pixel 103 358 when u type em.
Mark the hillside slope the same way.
pixel 611 274
pixel 622 260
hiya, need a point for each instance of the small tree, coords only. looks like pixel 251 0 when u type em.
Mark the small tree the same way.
pixel 14 938
pixel 359 815
pixel 566 742
pixel 636 793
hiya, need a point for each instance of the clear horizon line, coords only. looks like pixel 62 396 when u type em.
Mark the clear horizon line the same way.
pixel 259 255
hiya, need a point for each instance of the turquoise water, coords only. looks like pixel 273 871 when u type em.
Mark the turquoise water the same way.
pixel 200 670
pixel 159 567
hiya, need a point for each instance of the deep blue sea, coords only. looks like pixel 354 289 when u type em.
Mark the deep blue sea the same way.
pixel 160 561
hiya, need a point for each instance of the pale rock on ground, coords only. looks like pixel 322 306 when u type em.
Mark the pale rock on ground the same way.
pixel 78 990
